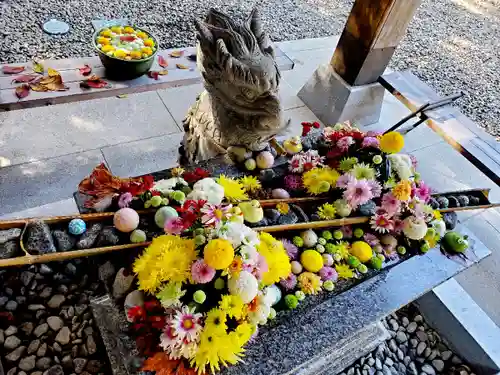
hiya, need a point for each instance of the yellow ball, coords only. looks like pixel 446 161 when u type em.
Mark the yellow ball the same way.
pixel 362 251
pixel 102 40
pixel 311 260
pixel 137 55
pixel 107 48
pixel 142 35
pixel 149 43
pixel 147 51
pixel 117 29
pixel 392 142
pixel 128 30
pixel 218 253
pixel 106 33
pixel 120 54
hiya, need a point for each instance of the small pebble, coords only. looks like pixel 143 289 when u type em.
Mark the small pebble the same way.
pixel 401 337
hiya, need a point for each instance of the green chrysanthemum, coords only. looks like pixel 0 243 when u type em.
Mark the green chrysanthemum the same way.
pixel 364 171
pixel 346 164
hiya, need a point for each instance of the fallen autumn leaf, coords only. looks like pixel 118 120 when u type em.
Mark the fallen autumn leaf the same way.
pixel 6 69
pixel 181 66
pixel 176 54
pixel 38 67
pixel 22 91
pixel 25 78
pixel 86 70
pixel 153 74
pixel 162 61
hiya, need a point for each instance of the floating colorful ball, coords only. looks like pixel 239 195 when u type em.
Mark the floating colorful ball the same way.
pixel 126 220
pixel 77 227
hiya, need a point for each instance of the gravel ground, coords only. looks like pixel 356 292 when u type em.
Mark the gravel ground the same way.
pixel 453 45
pixel 414 348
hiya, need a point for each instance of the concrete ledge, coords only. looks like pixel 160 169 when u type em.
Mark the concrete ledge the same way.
pixel 465 327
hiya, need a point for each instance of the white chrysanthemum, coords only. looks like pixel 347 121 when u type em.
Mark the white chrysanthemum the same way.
pixel 402 165
pixel 238 234
pixel 414 228
pixel 249 255
pixel 260 310
pixel 167 186
pixel 207 189
pixel 186 324
pixel 244 285
pixel 439 226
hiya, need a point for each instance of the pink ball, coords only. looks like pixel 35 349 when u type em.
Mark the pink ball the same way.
pixel 265 160
pixel 280 194
pixel 126 220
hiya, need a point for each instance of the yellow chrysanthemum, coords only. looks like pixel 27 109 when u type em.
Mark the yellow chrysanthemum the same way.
pixel 216 348
pixel 232 306
pixel 437 215
pixel 177 171
pixel 250 183
pixel 320 180
pixel 309 283
pixel 402 190
pixel 283 208
pixel 344 271
pixel 392 143
pixel 244 332
pixel 218 253
pixel 168 258
pixel 233 190
pixel 277 260
pixel 327 211
pixel 216 320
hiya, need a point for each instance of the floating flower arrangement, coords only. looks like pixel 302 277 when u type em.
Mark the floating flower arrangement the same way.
pixel 126 43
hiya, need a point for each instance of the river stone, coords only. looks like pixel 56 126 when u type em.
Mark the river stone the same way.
pixel 394 325
pixel 64 336
pixel 393 346
pixel 12 330
pixel 401 337
pixel 428 369
pixel 421 347
pixel 55 323
pixel 91 345
pixel 9 235
pixel 106 272
pixel 272 215
pixel 46 292
pixel 13 371
pixel 122 284
pixel 412 327
pixel 36 307
pixel 38 239
pixel 56 301
pixel 412 368
pixel 55 370
pixel 67 362
pixel 88 239
pixel 27 363
pixel 405 321
pixel 79 365
pixel 11 306
pixel 108 237
pixel 42 350
pixel 134 298
pixel 26 277
pixel 12 342
pixel 446 355
pixel 2 337
pixel 41 330
pixel 427 352
pixel 438 365
pixel 16 354
pixel 43 363
pixel 33 346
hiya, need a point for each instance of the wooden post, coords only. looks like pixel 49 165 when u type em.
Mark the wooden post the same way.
pixel 372 33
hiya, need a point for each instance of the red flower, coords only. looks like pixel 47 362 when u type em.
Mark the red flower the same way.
pixel 136 313
pixel 139 186
pixel 306 128
pixel 157 322
pixel 155 193
pixel 152 305
pixel 316 124
pixel 196 175
pixel 308 166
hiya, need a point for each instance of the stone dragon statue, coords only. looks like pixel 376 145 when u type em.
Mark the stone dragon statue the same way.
pixel 240 104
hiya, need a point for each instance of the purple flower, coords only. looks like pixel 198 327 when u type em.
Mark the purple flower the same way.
pixel 290 282
pixel 293 182
pixel 125 200
pixel 346 231
pixel 291 249
pixel 371 239
pixel 328 273
pixel 370 142
pixel 344 180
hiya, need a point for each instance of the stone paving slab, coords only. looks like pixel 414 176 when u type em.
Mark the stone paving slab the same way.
pixel 144 156
pixel 41 182
pixel 40 133
pixel 61 208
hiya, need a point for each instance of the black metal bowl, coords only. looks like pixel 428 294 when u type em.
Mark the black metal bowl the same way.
pixel 119 69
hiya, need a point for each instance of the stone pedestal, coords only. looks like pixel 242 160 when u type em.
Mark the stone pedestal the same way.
pixel 333 100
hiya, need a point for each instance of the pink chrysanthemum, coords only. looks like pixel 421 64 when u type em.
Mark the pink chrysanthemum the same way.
pixel 390 204
pixel 293 182
pixel 370 142
pixel 174 225
pixel 422 191
pixel 260 268
pixel 398 225
pixel 328 273
pixel 305 160
pixel 186 324
pixel 375 187
pixel 346 231
pixel 382 223
pixel 357 192
pixel 344 143
pixel 201 272
pixel 214 214
pixel 168 338
pixel 372 133
pixel 371 239
pixel 344 180
pixel 290 248
pixel 290 282
pixel 125 200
